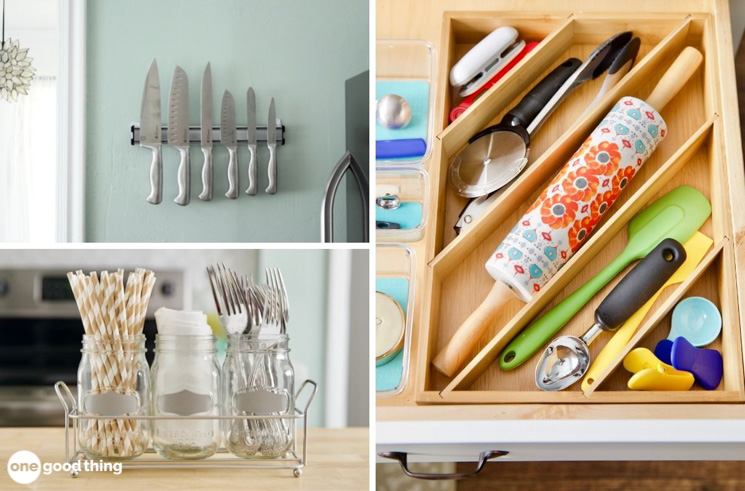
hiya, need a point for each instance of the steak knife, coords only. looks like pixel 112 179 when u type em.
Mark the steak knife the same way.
pixel 178 131
pixel 229 139
pixel 150 131
pixel 206 131
pixel 251 127
pixel 271 142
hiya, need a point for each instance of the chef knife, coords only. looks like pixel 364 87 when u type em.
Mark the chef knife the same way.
pixel 206 130
pixel 271 142
pixel 251 127
pixel 178 131
pixel 229 139
pixel 150 131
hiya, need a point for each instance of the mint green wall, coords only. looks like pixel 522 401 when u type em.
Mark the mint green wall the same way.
pixel 306 277
pixel 298 51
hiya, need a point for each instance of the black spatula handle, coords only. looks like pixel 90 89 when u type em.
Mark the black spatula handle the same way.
pixel 633 291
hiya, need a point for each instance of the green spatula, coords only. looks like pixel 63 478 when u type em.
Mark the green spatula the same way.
pixel 676 215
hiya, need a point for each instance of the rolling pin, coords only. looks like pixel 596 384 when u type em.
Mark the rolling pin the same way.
pixel 562 218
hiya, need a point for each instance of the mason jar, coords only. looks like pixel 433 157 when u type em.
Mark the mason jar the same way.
pixel 113 383
pixel 186 382
pixel 258 380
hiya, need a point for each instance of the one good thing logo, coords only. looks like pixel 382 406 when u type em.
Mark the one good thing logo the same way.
pixel 24 467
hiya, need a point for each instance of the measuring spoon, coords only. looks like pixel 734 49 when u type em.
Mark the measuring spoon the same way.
pixel 698 320
pixel 567 358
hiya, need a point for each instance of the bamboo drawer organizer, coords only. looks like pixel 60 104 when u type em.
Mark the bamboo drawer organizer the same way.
pixel 695 152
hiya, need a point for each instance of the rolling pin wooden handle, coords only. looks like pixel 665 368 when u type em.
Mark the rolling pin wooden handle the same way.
pixel 454 354
pixel 684 66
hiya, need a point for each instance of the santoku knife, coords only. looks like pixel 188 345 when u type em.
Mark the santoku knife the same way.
pixel 206 130
pixel 150 131
pixel 271 142
pixel 251 127
pixel 178 131
pixel 229 139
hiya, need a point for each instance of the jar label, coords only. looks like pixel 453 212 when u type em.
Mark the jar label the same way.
pixel 185 403
pixel 111 404
pixel 262 401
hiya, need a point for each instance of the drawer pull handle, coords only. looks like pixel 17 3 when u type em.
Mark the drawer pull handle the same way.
pixel 401 457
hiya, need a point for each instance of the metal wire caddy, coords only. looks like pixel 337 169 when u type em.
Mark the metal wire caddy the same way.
pixel 295 458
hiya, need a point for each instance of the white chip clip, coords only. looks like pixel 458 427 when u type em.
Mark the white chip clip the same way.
pixel 485 59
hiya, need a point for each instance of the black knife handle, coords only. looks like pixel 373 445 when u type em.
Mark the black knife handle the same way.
pixel 638 286
pixel 530 105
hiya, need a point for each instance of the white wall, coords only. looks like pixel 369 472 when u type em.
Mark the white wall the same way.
pixel 36 24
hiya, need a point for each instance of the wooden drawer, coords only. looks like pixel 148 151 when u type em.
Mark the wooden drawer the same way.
pixel 702 149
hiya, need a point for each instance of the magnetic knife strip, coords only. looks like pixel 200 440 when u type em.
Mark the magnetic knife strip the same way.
pixel 196 138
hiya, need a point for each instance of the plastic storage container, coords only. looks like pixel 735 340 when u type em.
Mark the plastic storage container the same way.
pixel 406 68
pixel 402 200
pixel 395 277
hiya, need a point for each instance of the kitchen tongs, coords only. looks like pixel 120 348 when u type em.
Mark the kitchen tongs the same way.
pixel 614 52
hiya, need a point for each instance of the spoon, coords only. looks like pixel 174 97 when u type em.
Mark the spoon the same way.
pixel 567 358
pixel 696 319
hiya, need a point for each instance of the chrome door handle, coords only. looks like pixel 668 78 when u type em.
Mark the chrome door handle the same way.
pixel 401 457
pixel 347 162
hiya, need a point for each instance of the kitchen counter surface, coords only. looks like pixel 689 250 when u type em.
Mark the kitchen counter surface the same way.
pixel 337 459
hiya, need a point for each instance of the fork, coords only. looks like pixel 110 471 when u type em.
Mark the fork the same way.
pixel 280 305
pixel 233 310
pixel 229 301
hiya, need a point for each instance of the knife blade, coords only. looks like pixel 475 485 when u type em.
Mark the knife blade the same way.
pixel 251 127
pixel 178 131
pixel 150 131
pixel 228 138
pixel 271 143
pixel 206 133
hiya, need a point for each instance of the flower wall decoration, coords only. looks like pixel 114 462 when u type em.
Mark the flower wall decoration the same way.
pixel 16 71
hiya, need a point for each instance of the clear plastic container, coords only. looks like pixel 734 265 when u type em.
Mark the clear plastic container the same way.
pixel 259 380
pixel 395 276
pixel 185 382
pixel 113 380
pixel 407 68
pixel 410 186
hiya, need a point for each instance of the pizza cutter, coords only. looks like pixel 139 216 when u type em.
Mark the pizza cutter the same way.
pixel 497 154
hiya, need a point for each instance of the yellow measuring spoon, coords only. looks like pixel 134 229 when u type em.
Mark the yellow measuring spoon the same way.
pixel 651 374
pixel 695 247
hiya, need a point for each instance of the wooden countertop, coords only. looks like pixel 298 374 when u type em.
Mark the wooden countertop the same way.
pixel 337 459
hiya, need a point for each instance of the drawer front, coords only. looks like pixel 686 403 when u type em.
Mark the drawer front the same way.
pixel 531 440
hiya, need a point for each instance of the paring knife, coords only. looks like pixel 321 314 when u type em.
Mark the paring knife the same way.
pixel 206 131
pixel 271 142
pixel 178 131
pixel 251 127
pixel 150 131
pixel 229 139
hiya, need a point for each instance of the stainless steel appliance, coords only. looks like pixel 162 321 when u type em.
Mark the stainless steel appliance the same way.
pixel 40 336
